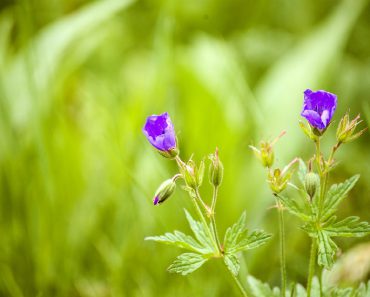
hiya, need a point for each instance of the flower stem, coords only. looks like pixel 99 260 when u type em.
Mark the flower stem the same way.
pixel 237 282
pixel 201 217
pixel 213 219
pixel 318 155
pixel 312 266
pixel 282 247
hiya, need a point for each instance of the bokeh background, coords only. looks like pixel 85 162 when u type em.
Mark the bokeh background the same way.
pixel 78 79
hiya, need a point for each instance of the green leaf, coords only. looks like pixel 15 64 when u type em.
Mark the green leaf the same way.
pixel 237 238
pixel 300 291
pixel 295 208
pixel 187 263
pixel 260 289
pixel 315 289
pixel 232 263
pixel 254 240
pixel 200 233
pixel 336 194
pixel 326 249
pixel 180 240
pixel 349 227
pixel 235 232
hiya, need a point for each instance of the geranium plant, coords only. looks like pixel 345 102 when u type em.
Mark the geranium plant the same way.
pixel 315 203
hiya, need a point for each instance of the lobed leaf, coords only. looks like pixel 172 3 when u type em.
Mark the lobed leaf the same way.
pixel 349 227
pixel 235 233
pixel 336 194
pixel 237 238
pixel 200 233
pixel 180 240
pixel 315 288
pixel 254 240
pixel 187 263
pixel 326 249
pixel 259 289
pixel 299 291
pixel 232 263
pixel 295 208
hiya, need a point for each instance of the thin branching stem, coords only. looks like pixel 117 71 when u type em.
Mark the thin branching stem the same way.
pixel 312 266
pixel 238 283
pixel 213 219
pixel 204 222
pixel 282 247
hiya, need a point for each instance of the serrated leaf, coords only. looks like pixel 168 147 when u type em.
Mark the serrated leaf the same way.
pixel 326 249
pixel 336 194
pixel 295 208
pixel 200 233
pixel 300 291
pixel 346 292
pixel 254 240
pixel 187 263
pixel 260 289
pixel 180 240
pixel 349 227
pixel 237 238
pixel 232 263
pixel 315 288
pixel 235 232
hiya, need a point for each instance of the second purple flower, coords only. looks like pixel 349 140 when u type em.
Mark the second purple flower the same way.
pixel 318 108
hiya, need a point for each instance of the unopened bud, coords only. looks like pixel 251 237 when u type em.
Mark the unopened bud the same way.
pixel 216 169
pixel 311 183
pixel 193 175
pixel 164 191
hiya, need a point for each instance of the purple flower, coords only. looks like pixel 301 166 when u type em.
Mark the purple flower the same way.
pixel 318 108
pixel 159 131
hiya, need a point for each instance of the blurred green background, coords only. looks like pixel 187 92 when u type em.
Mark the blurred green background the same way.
pixel 78 79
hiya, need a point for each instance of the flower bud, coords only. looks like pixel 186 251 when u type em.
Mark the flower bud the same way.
pixel 346 128
pixel 311 183
pixel 216 169
pixel 192 174
pixel 164 191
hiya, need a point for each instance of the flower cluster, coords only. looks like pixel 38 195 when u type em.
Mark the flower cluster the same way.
pixel 317 210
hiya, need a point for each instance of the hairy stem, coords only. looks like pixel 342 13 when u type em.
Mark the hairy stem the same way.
pixel 214 198
pixel 238 283
pixel 282 247
pixel 203 220
pixel 312 266
pixel 213 219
